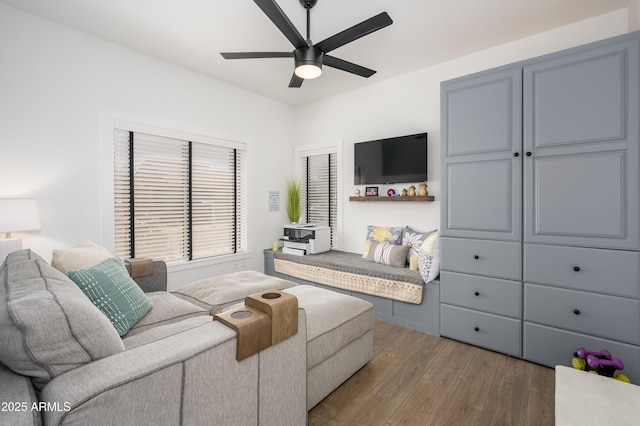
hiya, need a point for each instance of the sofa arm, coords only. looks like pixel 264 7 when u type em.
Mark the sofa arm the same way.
pixel 188 378
pixel 155 282
pixel 17 397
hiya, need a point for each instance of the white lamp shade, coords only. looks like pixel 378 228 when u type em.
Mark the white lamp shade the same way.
pixel 18 214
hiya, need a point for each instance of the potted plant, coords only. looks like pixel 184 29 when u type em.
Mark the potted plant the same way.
pixel 293 200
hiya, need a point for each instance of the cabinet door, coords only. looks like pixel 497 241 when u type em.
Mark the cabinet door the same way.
pixel 581 122
pixel 482 167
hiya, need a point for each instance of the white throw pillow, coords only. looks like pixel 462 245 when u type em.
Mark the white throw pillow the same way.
pixel 429 257
pixel 83 255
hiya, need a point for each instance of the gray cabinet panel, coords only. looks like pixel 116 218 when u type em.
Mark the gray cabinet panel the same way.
pixel 502 297
pixel 483 199
pixel 577 99
pixel 482 115
pixel 606 316
pixel 482 329
pixel 498 259
pixel 603 271
pixel 550 346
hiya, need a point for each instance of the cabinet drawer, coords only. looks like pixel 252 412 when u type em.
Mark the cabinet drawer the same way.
pixel 481 329
pixel 502 297
pixel 606 316
pixel 482 257
pixel 550 346
pixel 605 271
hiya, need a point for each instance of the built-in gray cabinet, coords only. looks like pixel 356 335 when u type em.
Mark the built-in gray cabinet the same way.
pixel 540 205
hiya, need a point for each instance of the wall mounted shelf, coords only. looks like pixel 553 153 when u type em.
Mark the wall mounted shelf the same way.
pixel 414 199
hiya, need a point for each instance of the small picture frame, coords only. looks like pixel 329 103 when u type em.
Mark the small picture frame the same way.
pixel 371 191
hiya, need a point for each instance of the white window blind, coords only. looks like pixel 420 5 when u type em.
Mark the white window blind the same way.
pixel 177 200
pixel 319 190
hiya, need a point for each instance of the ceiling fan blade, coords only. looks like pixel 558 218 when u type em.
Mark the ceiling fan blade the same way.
pixel 253 55
pixel 277 16
pixel 341 64
pixel 295 81
pixel 350 34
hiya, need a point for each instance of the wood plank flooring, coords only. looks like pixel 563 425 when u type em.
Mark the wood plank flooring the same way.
pixel 418 379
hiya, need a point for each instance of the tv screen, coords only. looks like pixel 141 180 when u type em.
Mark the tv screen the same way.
pixel 401 159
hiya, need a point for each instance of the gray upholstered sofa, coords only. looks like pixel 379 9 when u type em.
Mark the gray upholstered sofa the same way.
pixel 61 362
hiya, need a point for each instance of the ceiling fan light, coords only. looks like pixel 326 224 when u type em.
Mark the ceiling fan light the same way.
pixel 308 71
pixel 308 61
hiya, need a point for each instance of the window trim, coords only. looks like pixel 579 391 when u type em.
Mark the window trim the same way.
pixel 335 147
pixel 111 120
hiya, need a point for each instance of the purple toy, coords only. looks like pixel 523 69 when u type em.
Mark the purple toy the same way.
pixel 582 353
pixel 595 362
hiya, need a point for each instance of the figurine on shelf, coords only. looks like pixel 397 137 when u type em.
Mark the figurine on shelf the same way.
pixel 404 192
pixel 357 192
pixel 412 191
pixel 423 189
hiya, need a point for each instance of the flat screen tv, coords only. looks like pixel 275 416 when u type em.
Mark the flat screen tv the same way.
pixel 401 159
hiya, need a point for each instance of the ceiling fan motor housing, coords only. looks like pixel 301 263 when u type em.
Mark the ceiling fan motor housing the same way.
pixel 308 4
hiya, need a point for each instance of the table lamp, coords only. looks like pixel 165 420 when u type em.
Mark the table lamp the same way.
pixel 16 215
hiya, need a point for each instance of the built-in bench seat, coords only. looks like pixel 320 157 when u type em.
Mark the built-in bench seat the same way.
pixel 399 295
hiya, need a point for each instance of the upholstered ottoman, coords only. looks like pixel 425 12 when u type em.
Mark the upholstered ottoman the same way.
pixel 339 327
pixel 216 293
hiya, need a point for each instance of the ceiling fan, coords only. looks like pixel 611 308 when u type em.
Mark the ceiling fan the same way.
pixel 309 57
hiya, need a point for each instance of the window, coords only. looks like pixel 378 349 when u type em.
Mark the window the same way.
pixel 319 184
pixel 178 200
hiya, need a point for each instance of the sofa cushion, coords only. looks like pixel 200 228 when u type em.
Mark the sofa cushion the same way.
pixel 163 331
pixel 413 239
pixel 216 293
pixel 166 309
pixel 109 287
pixel 82 255
pixel 47 325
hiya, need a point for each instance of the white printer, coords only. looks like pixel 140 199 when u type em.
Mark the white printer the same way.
pixel 306 239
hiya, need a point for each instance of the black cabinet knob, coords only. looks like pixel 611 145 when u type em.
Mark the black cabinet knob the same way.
pixel 576 268
pixel 476 257
pixel 477 293
pixel 516 154
pixel 476 328
pixel 576 311
pixel 528 153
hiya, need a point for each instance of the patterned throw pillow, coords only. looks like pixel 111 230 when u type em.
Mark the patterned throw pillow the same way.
pixel 111 289
pixel 429 257
pixel 390 234
pixel 388 254
pixel 413 239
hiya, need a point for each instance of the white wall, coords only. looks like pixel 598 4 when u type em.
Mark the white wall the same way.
pixel 411 104
pixel 55 83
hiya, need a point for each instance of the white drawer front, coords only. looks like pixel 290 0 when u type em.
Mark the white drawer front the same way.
pixel 604 271
pixel 497 259
pixel 596 314
pixel 494 332
pixel 551 346
pixel 502 297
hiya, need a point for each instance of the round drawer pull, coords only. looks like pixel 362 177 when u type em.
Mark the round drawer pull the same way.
pixel 476 328
pixel 516 154
pixel 576 268
pixel 476 257
pixel 477 293
pixel 528 154
pixel 576 311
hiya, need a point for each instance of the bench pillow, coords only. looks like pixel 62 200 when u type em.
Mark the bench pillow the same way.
pixel 388 254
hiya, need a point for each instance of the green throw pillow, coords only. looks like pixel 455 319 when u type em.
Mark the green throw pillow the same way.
pixel 111 289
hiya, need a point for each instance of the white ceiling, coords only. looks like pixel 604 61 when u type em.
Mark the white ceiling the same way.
pixel 192 33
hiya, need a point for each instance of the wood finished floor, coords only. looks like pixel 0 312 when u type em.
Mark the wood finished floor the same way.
pixel 418 379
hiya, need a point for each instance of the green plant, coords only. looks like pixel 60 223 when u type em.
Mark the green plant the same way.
pixel 293 200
